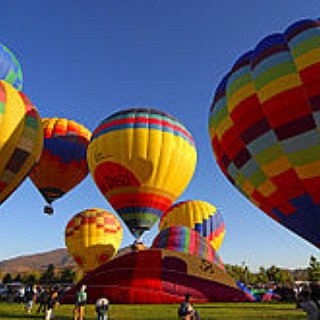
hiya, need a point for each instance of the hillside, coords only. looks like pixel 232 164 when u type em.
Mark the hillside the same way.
pixel 60 258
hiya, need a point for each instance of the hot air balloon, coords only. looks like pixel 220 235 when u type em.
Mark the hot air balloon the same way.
pixel 21 138
pixel 93 237
pixel 198 215
pixel 141 160
pixel 10 69
pixel 63 164
pixel 264 127
pixel 184 239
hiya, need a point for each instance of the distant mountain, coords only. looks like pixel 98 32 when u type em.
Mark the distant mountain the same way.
pixel 60 258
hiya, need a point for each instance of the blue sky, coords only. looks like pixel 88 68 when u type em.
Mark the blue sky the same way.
pixel 85 60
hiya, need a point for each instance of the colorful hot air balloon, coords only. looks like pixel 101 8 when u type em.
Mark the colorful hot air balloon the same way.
pixel 21 138
pixel 184 239
pixel 265 123
pixel 141 160
pixel 63 161
pixel 93 237
pixel 10 69
pixel 198 215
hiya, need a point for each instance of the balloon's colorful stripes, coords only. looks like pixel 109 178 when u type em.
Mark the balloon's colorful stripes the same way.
pixel 184 239
pixel 264 127
pixel 198 215
pixel 144 119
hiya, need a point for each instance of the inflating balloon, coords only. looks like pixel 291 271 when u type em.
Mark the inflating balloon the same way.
pixel 21 138
pixel 93 237
pixel 63 164
pixel 10 69
pixel 141 160
pixel 264 127
pixel 198 215
pixel 184 239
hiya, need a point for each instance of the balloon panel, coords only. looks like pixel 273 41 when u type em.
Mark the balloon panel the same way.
pixel 141 160
pixel 264 127
pixel 198 215
pixel 10 69
pixel 21 138
pixel 93 237
pixel 183 239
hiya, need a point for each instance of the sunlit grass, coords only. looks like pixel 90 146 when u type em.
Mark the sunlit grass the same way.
pixel 213 311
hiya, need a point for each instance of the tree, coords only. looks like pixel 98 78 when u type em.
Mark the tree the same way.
pixel 7 278
pixel 67 275
pixel 48 275
pixel 18 278
pixel 314 269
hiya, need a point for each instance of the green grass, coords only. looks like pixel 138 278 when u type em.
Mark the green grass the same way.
pixel 213 311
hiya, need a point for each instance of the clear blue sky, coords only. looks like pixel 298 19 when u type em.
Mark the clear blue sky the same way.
pixel 84 60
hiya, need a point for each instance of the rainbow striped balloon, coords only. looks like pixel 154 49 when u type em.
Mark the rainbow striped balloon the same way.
pixel 141 160
pixel 264 127
pixel 184 239
pixel 198 215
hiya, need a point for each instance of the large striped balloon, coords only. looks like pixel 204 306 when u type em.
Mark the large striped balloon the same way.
pixel 141 160
pixel 63 164
pixel 10 69
pixel 184 239
pixel 21 138
pixel 198 215
pixel 264 127
pixel 93 237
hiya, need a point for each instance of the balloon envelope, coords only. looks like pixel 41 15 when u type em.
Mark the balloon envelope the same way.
pixel 93 237
pixel 198 215
pixel 63 161
pixel 10 69
pixel 141 160
pixel 264 127
pixel 21 138
pixel 184 239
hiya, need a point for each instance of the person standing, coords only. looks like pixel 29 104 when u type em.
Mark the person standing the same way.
pixel 102 306
pixel 80 304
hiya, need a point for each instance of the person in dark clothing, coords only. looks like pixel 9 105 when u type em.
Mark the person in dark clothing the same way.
pixel 43 300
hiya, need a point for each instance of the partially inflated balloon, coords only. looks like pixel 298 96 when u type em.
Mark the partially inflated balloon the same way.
pixel 265 124
pixel 141 160
pixel 184 239
pixel 63 161
pixel 21 138
pixel 198 215
pixel 10 69
pixel 93 237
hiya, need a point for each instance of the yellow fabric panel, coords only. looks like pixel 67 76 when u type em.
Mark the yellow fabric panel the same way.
pixel 276 167
pixel 217 242
pixel 224 126
pixel 307 59
pixel 267 188
pixel 240 95
pixel 279 85
pixel 309 170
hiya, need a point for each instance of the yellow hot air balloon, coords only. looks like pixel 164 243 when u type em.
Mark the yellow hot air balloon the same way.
pixel 93 237
pixel 21 138
pixel 198 215
pixel 141 160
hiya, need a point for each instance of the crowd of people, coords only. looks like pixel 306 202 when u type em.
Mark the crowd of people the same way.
pixel 306 295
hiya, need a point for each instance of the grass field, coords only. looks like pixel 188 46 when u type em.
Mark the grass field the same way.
pixel 213 311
